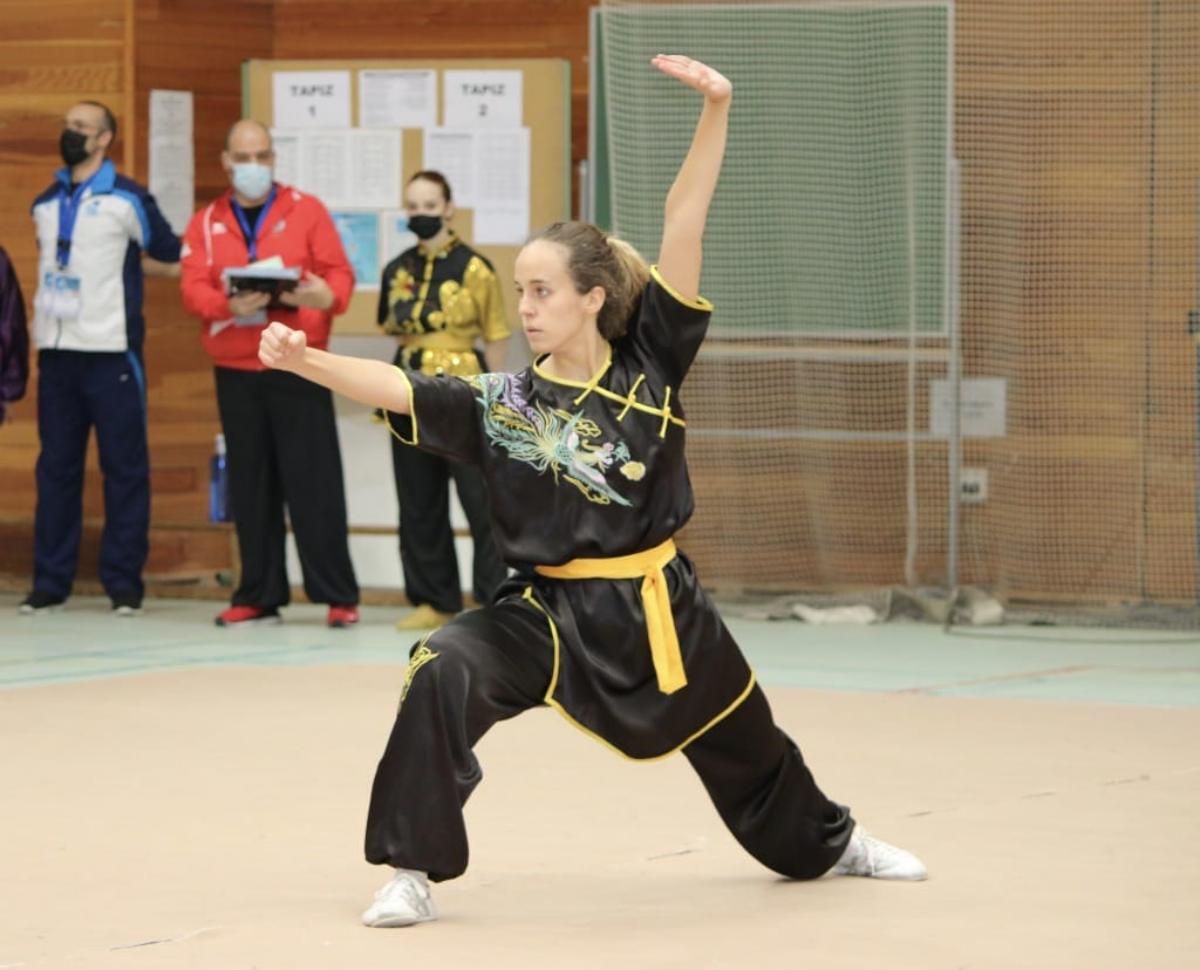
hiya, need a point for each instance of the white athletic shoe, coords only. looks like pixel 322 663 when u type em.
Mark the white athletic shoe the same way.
pixel 402 902
pixel 866 855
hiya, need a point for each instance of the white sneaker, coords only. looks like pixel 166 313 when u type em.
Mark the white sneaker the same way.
pixel 402 902
pixel 866 855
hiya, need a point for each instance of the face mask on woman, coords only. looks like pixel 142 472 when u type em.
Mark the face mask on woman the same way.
pixel 425 227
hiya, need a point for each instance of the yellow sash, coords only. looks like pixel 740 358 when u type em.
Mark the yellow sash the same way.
pixel 656 601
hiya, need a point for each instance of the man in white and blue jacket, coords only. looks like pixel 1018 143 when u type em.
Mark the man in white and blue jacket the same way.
pixel 93 226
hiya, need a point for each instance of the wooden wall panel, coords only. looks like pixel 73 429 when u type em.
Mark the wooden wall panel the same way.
pixel 52 54
pixel 810 515
pixel 1071 119
pixel 1172 425
pixel 198 48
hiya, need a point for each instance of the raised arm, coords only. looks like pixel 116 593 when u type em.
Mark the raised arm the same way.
pixel 370 382
pixel 686 209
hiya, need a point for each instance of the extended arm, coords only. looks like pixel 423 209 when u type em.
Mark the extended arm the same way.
pixel 687 203
pixel 370 382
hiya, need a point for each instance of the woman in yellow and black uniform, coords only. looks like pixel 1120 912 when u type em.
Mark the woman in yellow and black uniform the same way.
pixel 440 298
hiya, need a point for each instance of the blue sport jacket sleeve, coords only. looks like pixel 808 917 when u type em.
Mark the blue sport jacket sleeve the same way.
pixel 163 244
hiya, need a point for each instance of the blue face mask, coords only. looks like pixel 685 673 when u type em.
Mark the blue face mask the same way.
pixel 252 179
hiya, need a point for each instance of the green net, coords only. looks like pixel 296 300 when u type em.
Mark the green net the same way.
pixel 825 442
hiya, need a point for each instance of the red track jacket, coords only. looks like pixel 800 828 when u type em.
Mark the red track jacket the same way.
pixel 298 229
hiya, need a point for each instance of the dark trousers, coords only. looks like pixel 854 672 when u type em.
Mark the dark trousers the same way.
pixel 427 553
pixel 282 448
pixel 491 664
pixel 76 392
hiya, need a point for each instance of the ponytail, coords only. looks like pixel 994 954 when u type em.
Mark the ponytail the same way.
pixel 595 258
pixel 633 273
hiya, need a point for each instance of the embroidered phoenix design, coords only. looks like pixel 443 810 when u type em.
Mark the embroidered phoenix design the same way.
pixel 549 439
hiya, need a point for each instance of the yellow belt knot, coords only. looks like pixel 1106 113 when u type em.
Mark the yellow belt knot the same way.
pixel 656 602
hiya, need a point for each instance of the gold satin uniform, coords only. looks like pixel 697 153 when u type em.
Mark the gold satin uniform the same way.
pixel 440 303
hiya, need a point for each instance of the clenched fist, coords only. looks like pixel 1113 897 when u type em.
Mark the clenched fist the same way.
pixel 282 347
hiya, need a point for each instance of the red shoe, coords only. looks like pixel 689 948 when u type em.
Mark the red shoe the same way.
pixel 237 615
pixel 341 616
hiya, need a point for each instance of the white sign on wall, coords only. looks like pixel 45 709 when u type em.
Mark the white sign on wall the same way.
pixel 476 99
pixel 172 165
pixel 983 406
pixel 312 99
pixel 346 168
pixel 397 99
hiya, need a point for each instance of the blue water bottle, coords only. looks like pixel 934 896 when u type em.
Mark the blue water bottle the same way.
pixel 218 485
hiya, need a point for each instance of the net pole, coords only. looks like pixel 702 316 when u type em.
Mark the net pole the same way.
pixel 1194 329
pixel 954 367
pixel 910 202
pixel 587 194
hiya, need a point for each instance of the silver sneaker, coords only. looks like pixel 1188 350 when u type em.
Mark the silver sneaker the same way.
pixel 866 855
pixel 402 902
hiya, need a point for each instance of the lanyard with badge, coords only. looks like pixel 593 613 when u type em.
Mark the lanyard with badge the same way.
pixel 250 232
pixel 60 294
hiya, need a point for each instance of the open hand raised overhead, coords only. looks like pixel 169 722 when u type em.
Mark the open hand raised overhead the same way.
pixel 712 84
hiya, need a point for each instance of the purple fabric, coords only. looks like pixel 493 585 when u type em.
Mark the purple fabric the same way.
pixel 14 336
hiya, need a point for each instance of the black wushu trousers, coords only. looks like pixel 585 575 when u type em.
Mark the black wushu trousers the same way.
pixel 491 664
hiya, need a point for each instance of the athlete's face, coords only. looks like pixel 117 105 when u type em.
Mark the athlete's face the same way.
pixel 425 198
pixel 553 313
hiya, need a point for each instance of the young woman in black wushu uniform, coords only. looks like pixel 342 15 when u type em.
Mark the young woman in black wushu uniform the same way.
pixel 605 620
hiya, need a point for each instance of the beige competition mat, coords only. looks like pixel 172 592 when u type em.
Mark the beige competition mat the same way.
pixel 212 819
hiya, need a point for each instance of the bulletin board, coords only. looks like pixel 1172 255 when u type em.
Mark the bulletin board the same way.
pixel 545 111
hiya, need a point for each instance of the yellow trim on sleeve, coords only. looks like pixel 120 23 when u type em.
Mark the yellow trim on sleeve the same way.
pixel 700 303
pixel 551 702
pixel 412 412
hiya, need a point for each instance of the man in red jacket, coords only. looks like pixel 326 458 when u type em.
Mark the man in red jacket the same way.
pixel 280 435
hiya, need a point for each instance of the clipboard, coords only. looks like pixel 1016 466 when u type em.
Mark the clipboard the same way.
pixel 272 280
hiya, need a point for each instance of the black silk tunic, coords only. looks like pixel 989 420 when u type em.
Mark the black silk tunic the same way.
pixel 597 470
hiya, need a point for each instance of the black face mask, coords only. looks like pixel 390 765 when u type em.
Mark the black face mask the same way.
pixel 72 145
pixel 425 227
